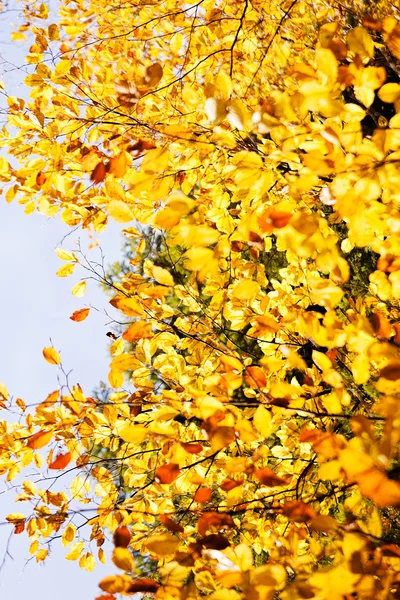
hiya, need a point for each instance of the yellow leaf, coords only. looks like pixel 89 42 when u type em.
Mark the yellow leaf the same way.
pixel 360 367
pixel 163 276
pixel 87 562
pixel 75 551
pixel 390 92
pixel 62 68
pixel 262 421
pixel 69 534
pixel 115 378
pixel 15 517
pixel 66 270
pixel 119 211
pixel 162 545
pixel 79 289
pixel 41 555
pixel 3 391
pixel 117 347
pixel 114 584
pixel 123 559
pixel 52 356
pixel 360 42
pixel 129 306
pixel 245 289
pixel 65 255
pixel 133 434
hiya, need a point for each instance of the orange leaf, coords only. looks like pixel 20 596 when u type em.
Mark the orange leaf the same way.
pixel 230 484
pixel 192 448
pixel 273 219
pixel 396 338
pixel 167 473
pixel 267 477
pixel 255 377
pixel 139 330
pixel 60 461
pixel 375 485
pixel 372 24
pixel 39 439
pixel 297 511
pixel 19 527
pixel 122 537
pixel 98 173
pixel 148 586
pixel 171 525
pixel 391 372
pixel 138 148
pixel 153 75
pixel 40 178
pixel 380 325
pixel 203 494
pixel 221 437
pixel 117 165
pixel 309 436
pixel 214 520
pixel 80 315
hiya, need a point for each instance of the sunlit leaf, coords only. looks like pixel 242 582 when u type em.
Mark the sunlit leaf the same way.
pixel 80 315
pixel 39 439
pixel 52 356
pixel 123 559
pixel 60 461
pixel 167 473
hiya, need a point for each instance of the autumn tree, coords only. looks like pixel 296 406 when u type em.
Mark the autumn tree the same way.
pixel 247 440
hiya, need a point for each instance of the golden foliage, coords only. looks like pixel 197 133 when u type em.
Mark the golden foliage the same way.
pixel 249 441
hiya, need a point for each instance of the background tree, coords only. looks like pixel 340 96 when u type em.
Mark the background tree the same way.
pixel 249 439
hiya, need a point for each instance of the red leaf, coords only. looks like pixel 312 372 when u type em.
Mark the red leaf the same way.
pixel 167 473
pixel 148 586
pixel 122 537
pixel 80 315
pixel 60 461
pixel 171 525
pixel 98 173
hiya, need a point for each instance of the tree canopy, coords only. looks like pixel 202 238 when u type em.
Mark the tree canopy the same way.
pixel 247 441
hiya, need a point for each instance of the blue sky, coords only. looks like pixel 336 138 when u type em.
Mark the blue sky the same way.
pixel 35 306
